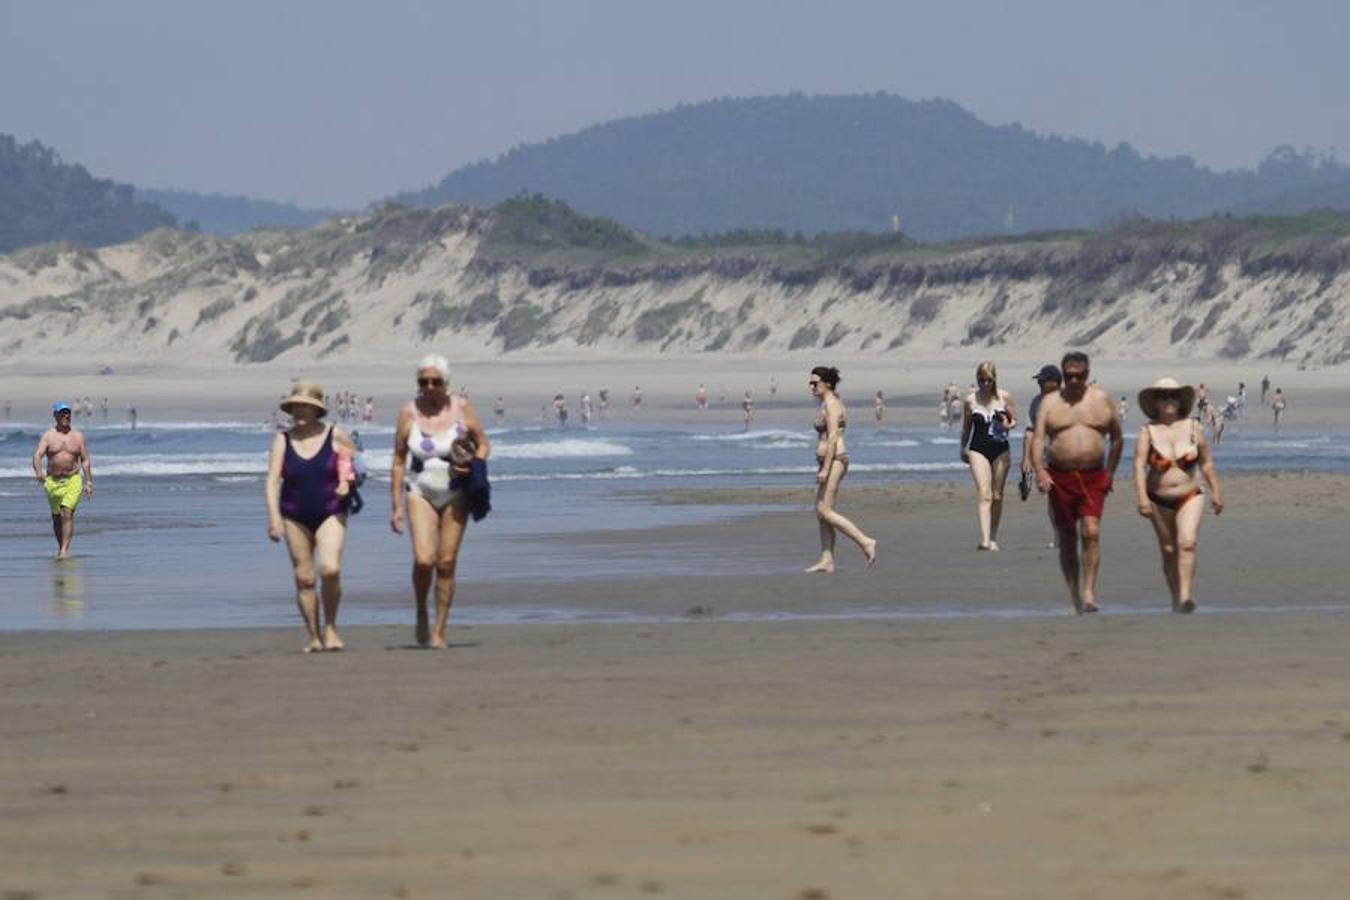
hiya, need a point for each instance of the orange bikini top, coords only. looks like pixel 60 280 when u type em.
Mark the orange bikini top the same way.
pixel 1186 462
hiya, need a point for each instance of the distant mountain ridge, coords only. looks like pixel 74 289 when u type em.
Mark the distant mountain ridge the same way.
pixel 43 198
pixel 231 214
pixel 843 163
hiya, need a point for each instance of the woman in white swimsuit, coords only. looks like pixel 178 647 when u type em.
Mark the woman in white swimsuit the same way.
pixel 437 438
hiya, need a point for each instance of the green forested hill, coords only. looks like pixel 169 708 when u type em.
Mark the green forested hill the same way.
pixel 44 199
pixel 853 162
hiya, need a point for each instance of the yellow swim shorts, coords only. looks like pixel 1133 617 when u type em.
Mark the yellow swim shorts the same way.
pixel 63 492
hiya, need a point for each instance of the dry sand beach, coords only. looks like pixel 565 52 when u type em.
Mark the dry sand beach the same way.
pixel 1123 755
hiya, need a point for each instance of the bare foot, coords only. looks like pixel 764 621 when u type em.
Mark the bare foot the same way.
pixel 825 568
pixel 437 641
pixel 314 646
pixel 1187 607
pixel 423 628
pixel 1089 607
pixel 62 554
pixel 331 640
pixel 993 546
pixel 870 552
pixel 982 546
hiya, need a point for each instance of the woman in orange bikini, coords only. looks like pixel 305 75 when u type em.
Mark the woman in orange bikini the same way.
pixel 1169 449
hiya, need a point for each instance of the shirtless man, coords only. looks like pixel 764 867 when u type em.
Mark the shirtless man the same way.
pixel 67 457
pixel 1077 422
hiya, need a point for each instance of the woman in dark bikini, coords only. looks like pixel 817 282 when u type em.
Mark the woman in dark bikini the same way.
pixel 1168 451
pixel 831 466
pixel 436 440
pixel 987 417
pixel 307 505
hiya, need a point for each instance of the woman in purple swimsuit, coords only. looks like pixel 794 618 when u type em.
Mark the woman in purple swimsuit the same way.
pixel 307 504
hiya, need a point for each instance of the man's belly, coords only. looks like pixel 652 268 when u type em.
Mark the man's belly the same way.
pixel 1078 447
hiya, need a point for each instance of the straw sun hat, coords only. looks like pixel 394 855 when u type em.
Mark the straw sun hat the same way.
pixel 1148 397
pixel 307 393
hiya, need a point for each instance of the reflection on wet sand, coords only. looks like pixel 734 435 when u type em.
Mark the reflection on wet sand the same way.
pixel 67 596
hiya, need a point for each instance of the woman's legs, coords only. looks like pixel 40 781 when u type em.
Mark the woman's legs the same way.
pixel 328 541
pixel 833 521
pixel 300 545
pixel 1187 520
pixel 1165 525
pixel 424 528
pixel 983 475
pixel 997 482
pixel 454 518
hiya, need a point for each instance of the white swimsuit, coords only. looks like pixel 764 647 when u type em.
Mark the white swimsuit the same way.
pixel 429 460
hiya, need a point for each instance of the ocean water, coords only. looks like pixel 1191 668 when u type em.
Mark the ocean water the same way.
pixel 175 534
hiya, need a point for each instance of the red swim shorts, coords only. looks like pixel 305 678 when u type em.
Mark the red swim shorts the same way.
pixel 1078 493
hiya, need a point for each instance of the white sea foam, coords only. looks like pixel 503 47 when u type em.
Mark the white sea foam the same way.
pixel 763 434
pixel 563 448
pixel 904 442
pixel 200 464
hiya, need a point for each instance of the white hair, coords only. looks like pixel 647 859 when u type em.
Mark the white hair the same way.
pixel 437 362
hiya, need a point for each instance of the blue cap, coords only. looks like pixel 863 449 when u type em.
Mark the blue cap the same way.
pixel 1048 373
pixel 60 406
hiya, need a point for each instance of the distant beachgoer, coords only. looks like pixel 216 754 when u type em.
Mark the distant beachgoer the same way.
pixel 1123 409
pixel 1167 452
pixel 721 396
pixel 1048 379
pixel 68 473
pixel 832 465
pixel 560 410
pixel 748 407
pixel 987 418
pixel 1072 427
pixel 1201 401
pixel 587 409
pixel 879 406
pixel 9 409
pixel 637 399
pixel 604 403
pixel 368 412
pixel 307 500
pixel 701 397
pixel 773 387
pixel 439 445
pixel 1277 405
pixel 1242 400
pixel 132 415
pixel 1229 413
pixel 105 407
pixel 499 410
pixel 1265 388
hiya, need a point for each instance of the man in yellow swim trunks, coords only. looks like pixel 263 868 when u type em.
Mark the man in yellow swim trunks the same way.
pixel 68 474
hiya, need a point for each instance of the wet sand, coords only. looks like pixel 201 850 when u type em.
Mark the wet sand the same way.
pixel 1114 756
pixel 1103 757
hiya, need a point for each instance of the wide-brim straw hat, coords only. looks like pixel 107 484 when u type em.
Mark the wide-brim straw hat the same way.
pixel 1148 397
pixel 305 393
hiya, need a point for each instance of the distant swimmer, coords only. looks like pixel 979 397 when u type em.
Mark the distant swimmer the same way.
pixel 701 397
pixel 132 416
pixel 604 403
pixel 499 410
pixel 748 408
pixel 1048 379
pixel 1168 451
pixel 308 492
pixel 1277 405
pixel 637 399
pixel 1068 447
pixel 987 419
pixel 440 456
pixel 879 406
pixel 831 466
pixel 560 410
pixel 587 408
pixel 68 474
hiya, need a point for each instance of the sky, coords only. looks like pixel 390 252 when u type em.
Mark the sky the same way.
pixel 336 103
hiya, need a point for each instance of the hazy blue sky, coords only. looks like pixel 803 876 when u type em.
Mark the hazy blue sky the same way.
pixel 337 103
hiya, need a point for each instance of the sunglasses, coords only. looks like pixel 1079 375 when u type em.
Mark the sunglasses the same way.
pixel 431 382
